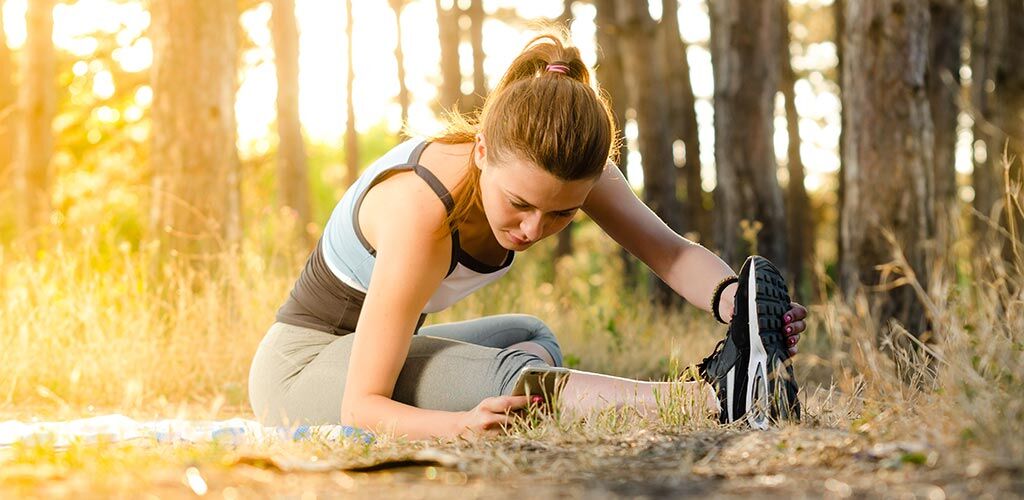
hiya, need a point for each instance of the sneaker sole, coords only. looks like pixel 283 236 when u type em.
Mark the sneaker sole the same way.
pixel 779 401
pixel 767 301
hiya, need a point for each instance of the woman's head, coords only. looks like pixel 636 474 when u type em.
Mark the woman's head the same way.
pixel 543 136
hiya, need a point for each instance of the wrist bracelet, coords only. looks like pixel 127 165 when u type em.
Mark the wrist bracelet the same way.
pixel 716 297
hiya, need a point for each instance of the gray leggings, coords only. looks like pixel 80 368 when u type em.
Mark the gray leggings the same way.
pixel 298 374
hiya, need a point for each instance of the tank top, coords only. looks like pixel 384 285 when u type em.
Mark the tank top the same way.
pixel 330 290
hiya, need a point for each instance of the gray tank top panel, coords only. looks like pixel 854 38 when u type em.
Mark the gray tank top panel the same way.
pixel 330 290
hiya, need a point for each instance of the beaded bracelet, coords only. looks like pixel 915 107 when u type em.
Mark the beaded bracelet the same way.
pixel 716 297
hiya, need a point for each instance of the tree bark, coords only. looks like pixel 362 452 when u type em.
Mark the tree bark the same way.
pixel 564 246
pixel 37 102
pixel 476 40
pixel 293 183
pixel 745 40
pixel 196 197
pixel 609 73
pixel 1006 138
pixel 8 104
pixel 351 137
pixel 403 89
pixel 984 178
pixel 888 153
pixel 683 119
pixel 450 95
pixel 838 9
pixel 645 83
pixel 945 40
pixel 798 206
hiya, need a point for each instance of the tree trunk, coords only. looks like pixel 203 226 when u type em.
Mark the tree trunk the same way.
pixel 450 96
pixel 745 40
pixel 195 208
pixel 564 246
pixel 8 104
pixel 1006 139
pixel 351 138
pixel 888 152
pixel 645 83
pixel 566 18
pixel 293 183
pixel 683 118
pixel 37 103
pixel 984 178
pixel 476 39
pixel 946 37
pixel 838 9
pixel 609 74
pixel 798 206
pixel 403 89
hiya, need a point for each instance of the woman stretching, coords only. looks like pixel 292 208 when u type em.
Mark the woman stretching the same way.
pixel 431 221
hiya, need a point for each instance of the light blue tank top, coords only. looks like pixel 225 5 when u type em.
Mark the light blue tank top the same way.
pixel 351 258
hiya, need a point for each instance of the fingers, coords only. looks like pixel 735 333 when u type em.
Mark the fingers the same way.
pixel 791 343
pixel 795 328
pixel 796 312
pixel 794 325
pixel 501 404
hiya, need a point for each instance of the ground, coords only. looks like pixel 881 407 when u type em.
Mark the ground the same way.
pixel 807 460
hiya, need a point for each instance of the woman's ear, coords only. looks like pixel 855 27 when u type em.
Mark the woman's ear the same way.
pixel 480 152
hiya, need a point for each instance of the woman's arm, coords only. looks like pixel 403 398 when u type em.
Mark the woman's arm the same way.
pixel 401 219
pixel 689 268
pixel 410 264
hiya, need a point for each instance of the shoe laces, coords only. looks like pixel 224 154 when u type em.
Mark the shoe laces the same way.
pixel 714 354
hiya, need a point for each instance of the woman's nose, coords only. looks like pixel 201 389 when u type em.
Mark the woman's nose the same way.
pixel 532 226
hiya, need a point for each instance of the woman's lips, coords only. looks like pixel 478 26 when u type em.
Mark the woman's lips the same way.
pixel 517 241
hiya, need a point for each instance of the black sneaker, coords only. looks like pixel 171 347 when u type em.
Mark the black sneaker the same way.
pixel 748 368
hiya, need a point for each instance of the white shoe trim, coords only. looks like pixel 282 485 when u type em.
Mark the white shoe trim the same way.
pixel 730 380
pixel 758 357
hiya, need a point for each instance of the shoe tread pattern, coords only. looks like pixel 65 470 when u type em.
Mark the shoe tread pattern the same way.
pixel 772 303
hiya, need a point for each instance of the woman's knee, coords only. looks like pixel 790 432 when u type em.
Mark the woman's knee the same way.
pixel 541 334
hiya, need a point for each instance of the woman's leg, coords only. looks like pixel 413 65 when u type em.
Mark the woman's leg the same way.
pixel 583 391
pixel 298 375
pixel 503 331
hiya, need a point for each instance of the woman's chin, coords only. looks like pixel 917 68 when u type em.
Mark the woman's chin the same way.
pixel 509 242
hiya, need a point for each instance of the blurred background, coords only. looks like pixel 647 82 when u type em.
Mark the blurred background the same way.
pixel 166 166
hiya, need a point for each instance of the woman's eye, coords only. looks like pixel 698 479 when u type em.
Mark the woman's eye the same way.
pixel 519 206
pixel 566 214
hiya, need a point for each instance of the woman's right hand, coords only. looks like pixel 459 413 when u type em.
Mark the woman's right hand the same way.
pixel 490 415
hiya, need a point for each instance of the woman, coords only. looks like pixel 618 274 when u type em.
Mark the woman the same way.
pixel 432 221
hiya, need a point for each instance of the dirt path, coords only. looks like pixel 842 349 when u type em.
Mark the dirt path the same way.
pixel 793 462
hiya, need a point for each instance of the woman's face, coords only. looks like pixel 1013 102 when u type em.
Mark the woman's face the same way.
pixel 523 203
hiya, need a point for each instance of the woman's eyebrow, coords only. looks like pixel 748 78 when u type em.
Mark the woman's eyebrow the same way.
pixel 520 200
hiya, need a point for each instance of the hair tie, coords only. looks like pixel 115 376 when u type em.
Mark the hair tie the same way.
pixel 558 67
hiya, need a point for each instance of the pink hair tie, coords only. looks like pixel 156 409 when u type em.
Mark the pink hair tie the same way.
pixel 558 67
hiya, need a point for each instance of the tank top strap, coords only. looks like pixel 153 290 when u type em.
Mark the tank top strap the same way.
pixel 443 194
pixel 435 184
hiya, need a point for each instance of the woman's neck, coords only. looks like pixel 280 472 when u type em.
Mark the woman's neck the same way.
pixel 449 162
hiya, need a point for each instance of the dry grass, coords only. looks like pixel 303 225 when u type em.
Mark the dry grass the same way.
pixel 86 328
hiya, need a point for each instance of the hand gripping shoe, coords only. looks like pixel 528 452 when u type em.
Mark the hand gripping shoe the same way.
pixel 748 368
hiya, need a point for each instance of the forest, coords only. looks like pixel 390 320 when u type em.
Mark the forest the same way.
pixel 168 166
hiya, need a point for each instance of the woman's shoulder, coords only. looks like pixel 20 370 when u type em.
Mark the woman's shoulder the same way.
pixel 401 202
pixel 400 154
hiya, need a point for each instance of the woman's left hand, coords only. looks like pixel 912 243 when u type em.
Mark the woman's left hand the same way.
pixel 793 324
